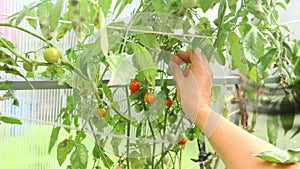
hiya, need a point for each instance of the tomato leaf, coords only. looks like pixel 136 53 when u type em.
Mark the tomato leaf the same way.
pixel 53 138
pixel 55 15
pixel 256 8
pixel 105 159
pixel 266 60
pixel 236 50
pixel 105 4
pixel 7 59
pixel 121 4
pixel 121 68
pixel 44 13
pixel 296 133
pixel 288 113
pixel 80 18
pixel 272 129
pixel 115 142
pixel 143 61
pixel 64 27
pixel 10 120
pixel 5 85
pixel 206 5
pixel 23 13
pixel 79 158
pixel 161 6
pixel 63 149
pixel 281 156
pixel 11 70
pixel 5 42
pixel 253 45
pixel 148 40
pixel 32 22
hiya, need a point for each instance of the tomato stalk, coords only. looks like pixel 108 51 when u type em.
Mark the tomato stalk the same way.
pixel 27 31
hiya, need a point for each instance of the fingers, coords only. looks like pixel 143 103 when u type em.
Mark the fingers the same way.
pixel 177 71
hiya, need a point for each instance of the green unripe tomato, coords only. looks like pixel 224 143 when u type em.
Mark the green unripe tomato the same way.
pixel 172 118
pixel 29 67
pixel 189 3
pixel 171 137
pixel 51 55
pixel 138 108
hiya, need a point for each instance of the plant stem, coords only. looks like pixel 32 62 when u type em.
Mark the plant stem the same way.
pixel 128 129
pixel 27 31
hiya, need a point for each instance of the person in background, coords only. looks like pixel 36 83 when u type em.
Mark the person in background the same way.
pixel 235 146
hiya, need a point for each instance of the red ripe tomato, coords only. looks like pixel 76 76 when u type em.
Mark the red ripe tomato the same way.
pixel 134 86
pixel 101 113
pixel 149 98
pixel 183 142
pixel 118 167
pixel 168 102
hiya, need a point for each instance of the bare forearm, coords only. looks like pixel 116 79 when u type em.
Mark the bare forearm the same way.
pixel 236 147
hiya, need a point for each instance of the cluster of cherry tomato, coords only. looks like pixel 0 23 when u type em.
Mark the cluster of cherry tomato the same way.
pixel 141 95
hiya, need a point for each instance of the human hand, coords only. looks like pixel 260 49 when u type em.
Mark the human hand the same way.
pixel 194 86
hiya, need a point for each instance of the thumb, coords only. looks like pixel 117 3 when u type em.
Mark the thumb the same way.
pixel 177 71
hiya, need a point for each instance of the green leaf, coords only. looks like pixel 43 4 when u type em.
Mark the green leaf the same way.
pixel 98 18
pixel 148 40
pixel 63 149
pixel 121 68
pixel 161 6
pixel 115 142
pixel 10 70
pixel 256 8
pixel 7 59
pixel 21 15
pixel 105 4
pixel 281 156
pixel 236 50
pixel 32 22
pixel 272 129
pixel 296 133
pixel 64 27
pixel 105 159
pixel 44 13
pixel 10 120
pixel 287 115
pixel 253 45
pixel 6 42
pixel 253 73
pixel 121 4
pixel 16 102
pixel 79 157
pixel 53 138
pixel 80 19
pixel 143 61
pixel 5 85
pixel 266 60
pixel 107 92
pixel 96 151
pixel 55 14
pixel 206 5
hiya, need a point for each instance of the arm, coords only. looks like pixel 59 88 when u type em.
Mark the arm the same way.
pixel 234 145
